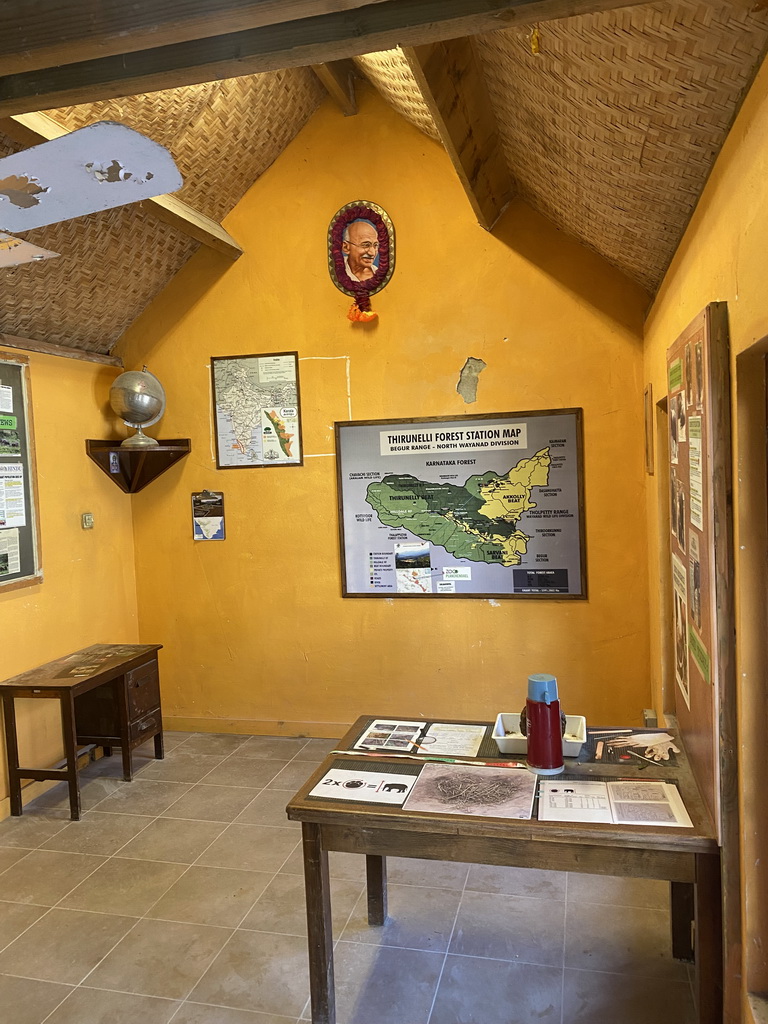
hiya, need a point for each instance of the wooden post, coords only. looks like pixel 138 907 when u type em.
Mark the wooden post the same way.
pixel 376 879
pixel 319 927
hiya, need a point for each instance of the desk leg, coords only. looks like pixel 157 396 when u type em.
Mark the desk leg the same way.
pixel 319 928
pixel 376 880
pixel 12 749
pixel 125 735
pixel 69 730
pixel 708 986
pixel 682 915
pixel 159 746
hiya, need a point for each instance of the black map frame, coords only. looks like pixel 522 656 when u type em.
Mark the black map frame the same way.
pixel 541 576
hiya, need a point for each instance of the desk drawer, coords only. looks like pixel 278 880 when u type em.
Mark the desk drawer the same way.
pixel 146 726
pixel 143 687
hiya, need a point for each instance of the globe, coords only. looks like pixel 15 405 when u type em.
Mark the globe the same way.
pixel 138 398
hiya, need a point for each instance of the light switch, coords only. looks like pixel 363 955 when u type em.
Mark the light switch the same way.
pixel 87 520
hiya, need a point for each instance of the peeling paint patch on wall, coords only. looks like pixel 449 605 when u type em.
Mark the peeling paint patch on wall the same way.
pixel 468 379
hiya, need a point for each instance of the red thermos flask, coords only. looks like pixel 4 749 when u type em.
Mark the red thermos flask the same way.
pixel 543 725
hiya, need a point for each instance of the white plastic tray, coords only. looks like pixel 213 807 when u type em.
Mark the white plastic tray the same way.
pixel 516 743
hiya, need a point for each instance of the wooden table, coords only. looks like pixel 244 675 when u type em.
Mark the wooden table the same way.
pixel 687 857
pixel 109 695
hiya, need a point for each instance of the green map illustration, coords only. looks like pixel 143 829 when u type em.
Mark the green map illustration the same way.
pixel 478 520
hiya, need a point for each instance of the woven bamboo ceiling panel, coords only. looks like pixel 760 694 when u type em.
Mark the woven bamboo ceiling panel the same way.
pixel 388 71
pixel 612 128
pixel 223 135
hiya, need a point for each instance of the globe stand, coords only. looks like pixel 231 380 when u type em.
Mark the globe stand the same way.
pixel 139 439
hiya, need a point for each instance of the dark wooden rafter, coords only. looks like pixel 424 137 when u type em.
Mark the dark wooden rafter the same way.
pixel 338 79
pixel 47 349
pixel 194 41
pixel 451 82
pixel 33 129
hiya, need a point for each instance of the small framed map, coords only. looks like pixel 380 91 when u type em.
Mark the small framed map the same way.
pixel 482 506
pixel 256 408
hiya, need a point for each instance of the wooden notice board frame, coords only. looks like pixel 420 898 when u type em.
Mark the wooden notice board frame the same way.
pixel 701 541
pixel 19 511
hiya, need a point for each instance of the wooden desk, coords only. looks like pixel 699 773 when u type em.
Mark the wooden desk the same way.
pixel 109 695
pixel 679 855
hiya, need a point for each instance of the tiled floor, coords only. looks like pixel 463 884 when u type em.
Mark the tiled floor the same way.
pixel 179 897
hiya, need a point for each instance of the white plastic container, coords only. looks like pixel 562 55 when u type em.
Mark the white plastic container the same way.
pixel 509 739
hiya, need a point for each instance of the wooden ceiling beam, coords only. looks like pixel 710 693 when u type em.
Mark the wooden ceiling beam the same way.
pixel 453 87
pixel 32 129
pixel 338 78
pixel 314 39
pixel 48 349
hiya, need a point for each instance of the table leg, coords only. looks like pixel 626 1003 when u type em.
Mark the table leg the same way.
pixel 682 913
pixel 125 735
pixel 376 879
pixel 12 750
pixel 69 730
pixel 159 746
pixel 708 984
pixel 319 929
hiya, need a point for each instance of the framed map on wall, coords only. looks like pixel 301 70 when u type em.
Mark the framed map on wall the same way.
pixel 485 506
pixel 256 408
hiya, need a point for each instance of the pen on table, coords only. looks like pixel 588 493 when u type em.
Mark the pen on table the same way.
pixel 643 758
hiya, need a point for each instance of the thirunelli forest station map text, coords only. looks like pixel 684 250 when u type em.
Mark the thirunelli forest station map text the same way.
pixel 474 506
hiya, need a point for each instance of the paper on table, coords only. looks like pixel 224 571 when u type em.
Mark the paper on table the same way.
pixel 390 734
pixel 647 803
pixel 370 787
pixel 460 740
pixel 574 801
pixel 491 792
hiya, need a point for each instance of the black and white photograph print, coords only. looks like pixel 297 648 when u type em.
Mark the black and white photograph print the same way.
pixel 465 789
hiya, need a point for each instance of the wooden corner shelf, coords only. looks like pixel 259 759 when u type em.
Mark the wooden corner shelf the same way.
pixel 134 468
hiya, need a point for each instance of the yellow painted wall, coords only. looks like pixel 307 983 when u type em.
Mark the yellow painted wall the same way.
pixel 88 594
pixel 723 257
pixel 257 635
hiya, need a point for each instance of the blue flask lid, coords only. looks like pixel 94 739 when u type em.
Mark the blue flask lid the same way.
pixel 542 688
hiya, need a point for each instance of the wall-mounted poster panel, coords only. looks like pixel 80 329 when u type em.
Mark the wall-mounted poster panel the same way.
pixel 19 536
pixel 698 396
pixel 472 506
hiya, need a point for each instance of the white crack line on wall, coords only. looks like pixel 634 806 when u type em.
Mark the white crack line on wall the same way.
pixel 302 359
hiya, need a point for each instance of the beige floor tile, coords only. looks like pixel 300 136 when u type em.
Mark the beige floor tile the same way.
pixel 620 941
pixel 30 831
pixel 255 847
pixel 16 918
pixel 175 840
pixel 597 998
pixel 279 747
pixel 98 833
pixel 211 803
pixel 622 892
pixel 419 918
pixel 92 791
pixel 317 748
pixel 268 808
pixel 340 865
pixel 178 766
pixel 472 990
pixel 64 946
pixel 439 874
pixel 256 971
pixel 247 772
pixel 32 1001
pixel 128 887
pixel 384 985
pixel 548 885
pixel 205 895
pixel 93 1006
pixel 160 958
pixel 142 797
pixel 510 928
pixel 44 876
pixel 198 1013
pixel 294 775
pixel 282 906
pixel 8 856
pixel 212 743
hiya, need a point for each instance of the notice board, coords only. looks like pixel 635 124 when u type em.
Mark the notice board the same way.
pixel 19 530
pixel 698 396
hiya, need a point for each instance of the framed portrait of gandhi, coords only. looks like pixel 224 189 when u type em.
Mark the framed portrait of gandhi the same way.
pixel 361 251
